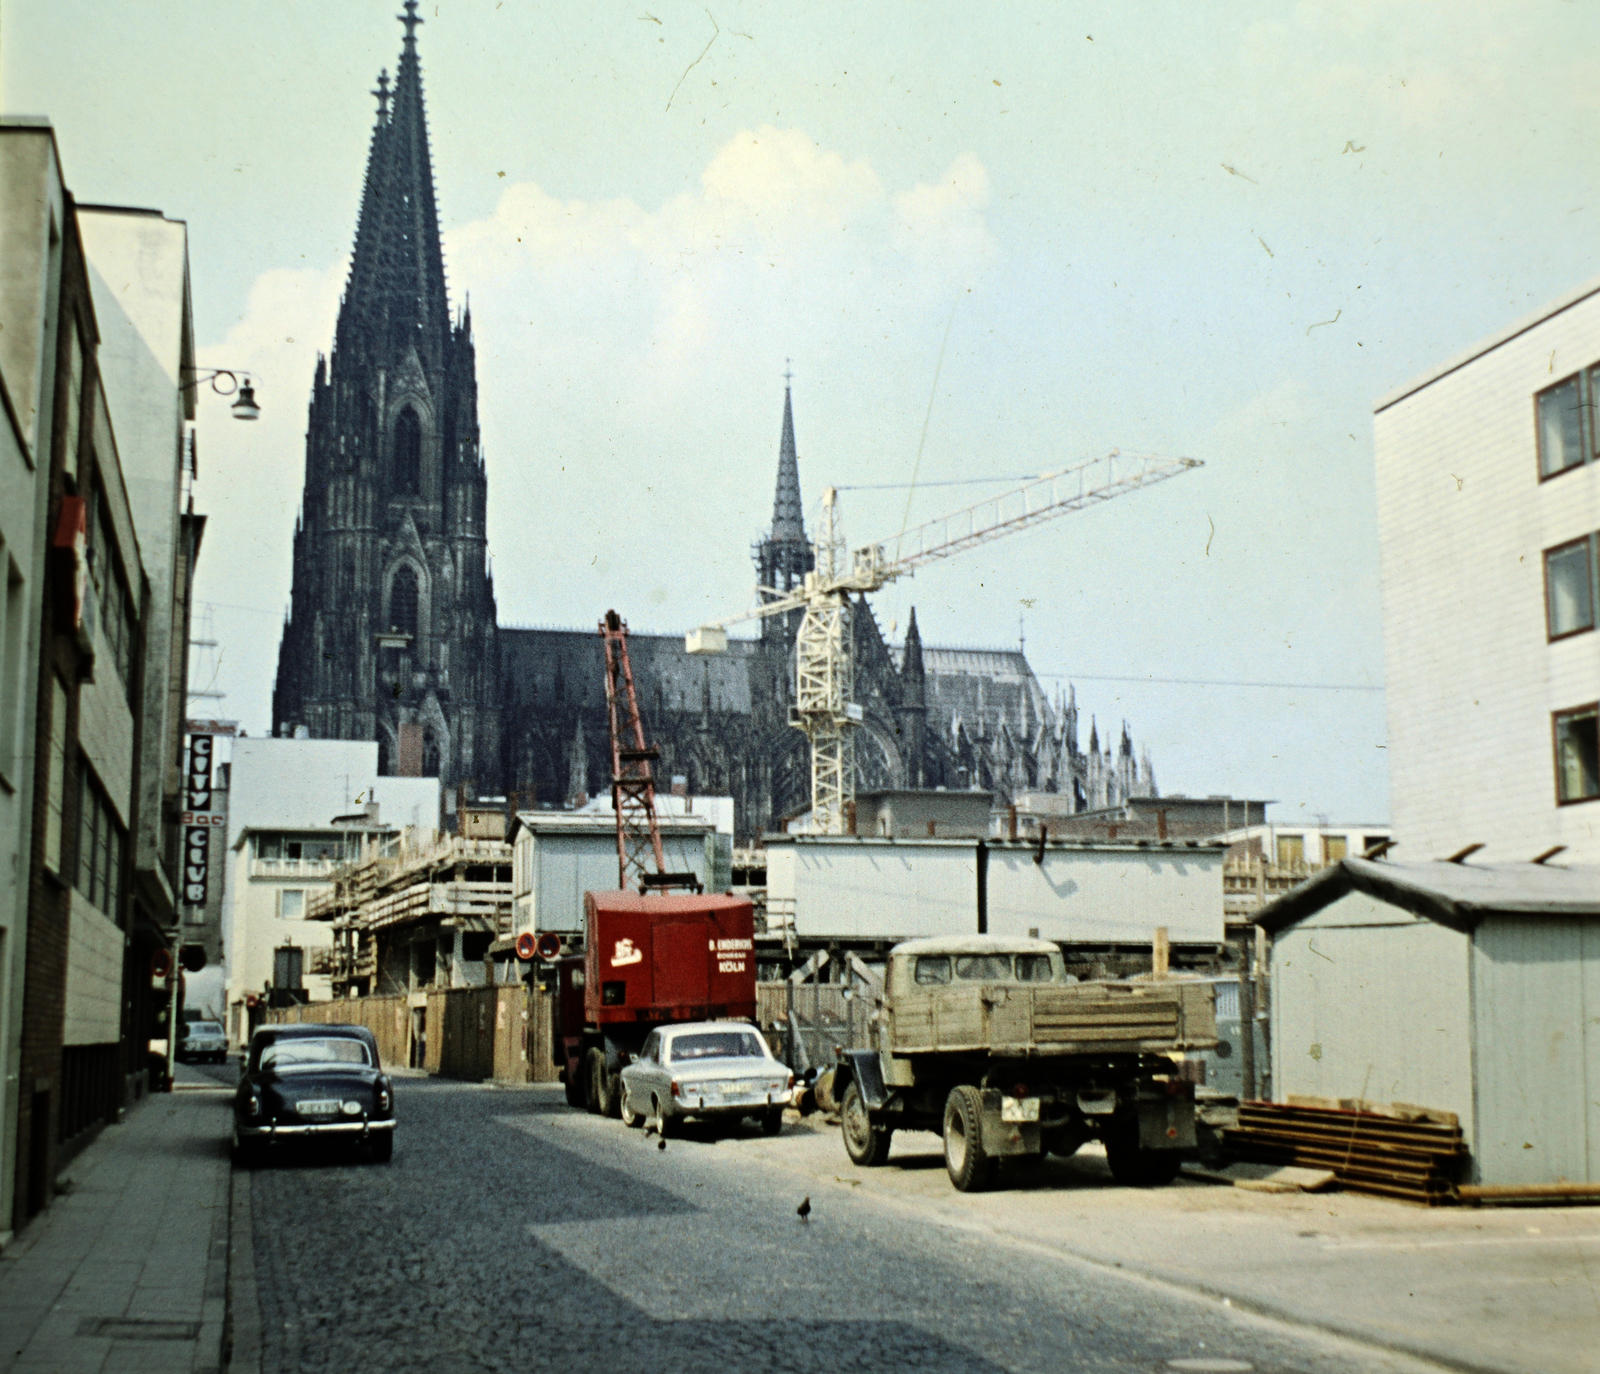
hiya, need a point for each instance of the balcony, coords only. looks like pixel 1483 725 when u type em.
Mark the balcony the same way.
pixel 294 868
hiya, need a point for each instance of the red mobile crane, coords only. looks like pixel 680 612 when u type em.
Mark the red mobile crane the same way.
pixel 648 958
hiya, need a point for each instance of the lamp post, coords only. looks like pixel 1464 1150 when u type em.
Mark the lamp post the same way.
pixel 226 382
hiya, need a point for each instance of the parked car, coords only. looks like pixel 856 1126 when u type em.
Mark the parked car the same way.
pixel 308 1082
pixel 709 1070
pixel 203 1043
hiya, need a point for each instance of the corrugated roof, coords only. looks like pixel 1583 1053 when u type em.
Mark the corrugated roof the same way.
pixel 1454 895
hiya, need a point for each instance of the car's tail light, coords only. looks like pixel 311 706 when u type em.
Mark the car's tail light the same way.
pixel 383 1097
pixel 255 1105
pixel 677 1088
pixel 790 1083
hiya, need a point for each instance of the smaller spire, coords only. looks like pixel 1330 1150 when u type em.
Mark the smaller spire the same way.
pixel 383 96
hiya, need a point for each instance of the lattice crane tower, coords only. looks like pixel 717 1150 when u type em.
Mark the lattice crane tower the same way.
pixel 824 707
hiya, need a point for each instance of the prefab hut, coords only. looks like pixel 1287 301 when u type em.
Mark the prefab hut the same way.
pixel 1458 987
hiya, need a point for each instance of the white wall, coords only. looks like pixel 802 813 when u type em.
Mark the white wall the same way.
pixel 1107 896
pixel 1373 1003
pixel 876 889
pixel 552 868
pixel 1471 682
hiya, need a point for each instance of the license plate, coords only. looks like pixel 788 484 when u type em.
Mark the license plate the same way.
pixel 321 1108
pixel 738 1089
pixel 1019 1108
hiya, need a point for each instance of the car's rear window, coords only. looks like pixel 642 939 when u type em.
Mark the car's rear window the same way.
pixel 288 1054
pixel 717 1045
pixel 204 1028
pixel 933 969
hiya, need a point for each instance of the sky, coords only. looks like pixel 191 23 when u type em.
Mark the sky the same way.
pixel 989 241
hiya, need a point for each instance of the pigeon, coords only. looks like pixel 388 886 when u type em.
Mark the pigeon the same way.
pixel 803 1211
pixel 663 1143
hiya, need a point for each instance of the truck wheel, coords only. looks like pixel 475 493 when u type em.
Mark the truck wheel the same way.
pixel 610 1090
pixel 625 1107
pixel 866 1145
pixel 573 1081
pixel 594 1066
pixel 970 1166
pixel 1134 1167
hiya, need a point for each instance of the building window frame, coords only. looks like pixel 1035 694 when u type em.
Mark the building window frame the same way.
pixel 1571 747
pixel 102 842
pixel 298 904
pixel 1587 543
pixel 1585 385
pixel 55 800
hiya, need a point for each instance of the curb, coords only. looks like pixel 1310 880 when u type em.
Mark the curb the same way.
pixel 241 1343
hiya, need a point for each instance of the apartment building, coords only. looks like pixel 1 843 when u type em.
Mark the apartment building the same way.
pixel 1488 485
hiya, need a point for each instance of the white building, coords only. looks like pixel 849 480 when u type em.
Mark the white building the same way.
pixel 284 843
pixel 1488 505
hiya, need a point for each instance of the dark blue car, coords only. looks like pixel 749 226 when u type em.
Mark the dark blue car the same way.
pixel 308 1082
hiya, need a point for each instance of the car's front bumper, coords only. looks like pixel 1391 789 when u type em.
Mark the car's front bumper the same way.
pixel 304 1128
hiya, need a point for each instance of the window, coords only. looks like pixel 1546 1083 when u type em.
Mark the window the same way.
pixel 56 782
pixel 933 971
pixel 288 961
pixel 74 416
pixel 13 670
pixel 1560 427
pixel 291 904
pixel 1569 587
pixel 403 602
pixel 101 839
pixel 1291 851
pixel 1334 848
pixel 407 453
pixel 111 592
pixel 983 968
pixel 717 1045
pixel 1034 968
pixel 1578 754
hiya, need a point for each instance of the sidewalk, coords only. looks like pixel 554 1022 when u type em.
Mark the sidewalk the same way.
pixel 127 1272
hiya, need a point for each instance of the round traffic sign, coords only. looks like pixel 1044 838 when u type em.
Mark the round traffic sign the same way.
pixel 549 946
pixel 525 946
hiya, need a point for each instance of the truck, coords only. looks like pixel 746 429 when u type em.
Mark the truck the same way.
pixel 648 960
pixel 989 1042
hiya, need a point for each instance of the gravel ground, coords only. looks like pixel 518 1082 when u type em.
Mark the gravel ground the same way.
pixel 512 1233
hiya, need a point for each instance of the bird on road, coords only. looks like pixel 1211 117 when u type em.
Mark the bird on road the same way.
pixel 663 1143
pixel 803 1211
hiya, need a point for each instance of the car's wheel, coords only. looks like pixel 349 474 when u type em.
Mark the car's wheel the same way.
pixel 573 1081
pixel 382 1147
pixel 970 1166
pixel 772 1121
pixel 625 1106
pixel 866 1144
pixel 1134 1167
pixel 662 1120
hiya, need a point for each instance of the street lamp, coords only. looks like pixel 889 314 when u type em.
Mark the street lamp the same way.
pixel 226 382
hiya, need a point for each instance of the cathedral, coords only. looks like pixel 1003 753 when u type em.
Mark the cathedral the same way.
pixel 393 634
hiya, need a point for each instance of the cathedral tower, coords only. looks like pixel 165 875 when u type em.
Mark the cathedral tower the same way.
pixel 391 634
pixel 784 556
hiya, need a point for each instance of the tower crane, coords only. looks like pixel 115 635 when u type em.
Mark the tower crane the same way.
pixel 824 706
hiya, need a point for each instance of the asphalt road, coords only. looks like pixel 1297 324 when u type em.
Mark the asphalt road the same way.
pixel 513 1233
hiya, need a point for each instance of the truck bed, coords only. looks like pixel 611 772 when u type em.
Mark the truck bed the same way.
pixel 1054 1019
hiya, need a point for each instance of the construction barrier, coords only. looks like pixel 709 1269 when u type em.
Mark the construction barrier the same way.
pixel 501 1032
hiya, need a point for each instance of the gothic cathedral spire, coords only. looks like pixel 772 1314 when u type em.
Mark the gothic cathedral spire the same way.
pixel 784 556
pixel 392 630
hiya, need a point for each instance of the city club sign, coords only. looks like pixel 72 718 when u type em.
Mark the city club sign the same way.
pixel 198 820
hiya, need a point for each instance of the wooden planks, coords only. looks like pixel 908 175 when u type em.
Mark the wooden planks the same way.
pixel 1416 1160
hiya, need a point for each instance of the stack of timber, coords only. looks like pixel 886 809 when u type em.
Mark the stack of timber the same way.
pixel 1409 1154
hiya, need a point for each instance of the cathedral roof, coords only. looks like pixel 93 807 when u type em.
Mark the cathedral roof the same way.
pixel 396 292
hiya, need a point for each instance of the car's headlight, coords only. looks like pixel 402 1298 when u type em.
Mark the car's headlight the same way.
pixel 350 1107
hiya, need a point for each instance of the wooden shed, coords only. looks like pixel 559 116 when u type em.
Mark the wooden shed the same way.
pixel 1467 988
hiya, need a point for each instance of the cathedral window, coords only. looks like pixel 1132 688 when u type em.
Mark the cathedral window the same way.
pixel 403 602
pixel 407 453
pixel 430 755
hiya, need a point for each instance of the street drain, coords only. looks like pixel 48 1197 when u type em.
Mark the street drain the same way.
pixel 1210 1364
pixel 138 1329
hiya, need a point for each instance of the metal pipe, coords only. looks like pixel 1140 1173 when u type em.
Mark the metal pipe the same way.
pixel 1518 1192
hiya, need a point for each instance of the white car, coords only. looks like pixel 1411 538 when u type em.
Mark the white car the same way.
pixel 706 1069
pixel 203 1041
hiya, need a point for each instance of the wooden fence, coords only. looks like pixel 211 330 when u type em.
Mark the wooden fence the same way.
pixel 501 1032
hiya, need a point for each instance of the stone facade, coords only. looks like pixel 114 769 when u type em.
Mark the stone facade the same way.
pixel 392 632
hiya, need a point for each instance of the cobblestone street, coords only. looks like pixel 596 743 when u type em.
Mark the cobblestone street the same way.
pixel 512 1233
